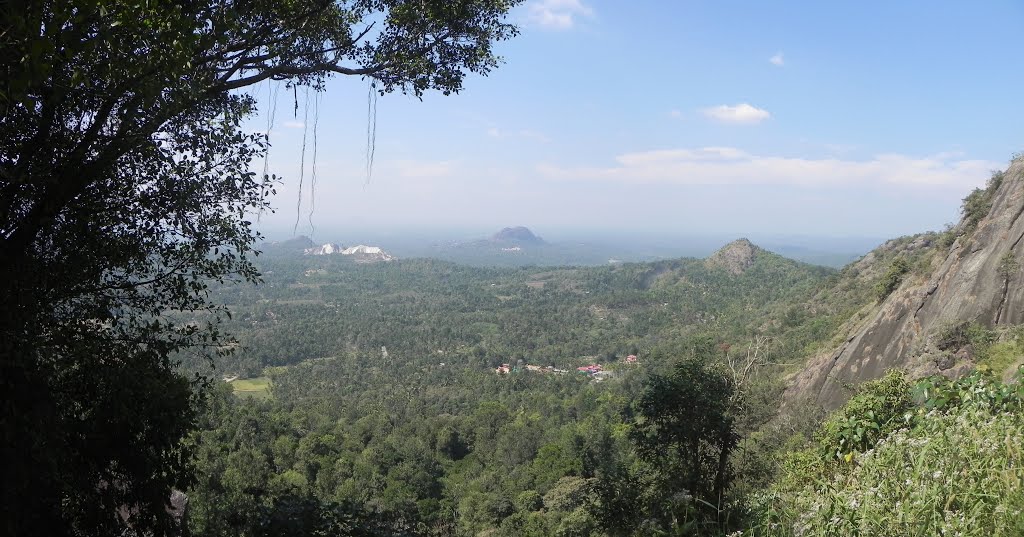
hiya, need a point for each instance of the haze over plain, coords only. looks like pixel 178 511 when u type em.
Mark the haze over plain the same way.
pixel 672 118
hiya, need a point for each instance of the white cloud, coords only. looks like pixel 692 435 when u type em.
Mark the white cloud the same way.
pixel 647 158
pixel 294 125
pixel 731 166
pixel 493 132
pixel 777 59
pixel 557 14
pixel 674 113
pixel 740 113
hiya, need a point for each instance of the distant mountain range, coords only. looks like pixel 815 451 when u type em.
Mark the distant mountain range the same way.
pixel 520 246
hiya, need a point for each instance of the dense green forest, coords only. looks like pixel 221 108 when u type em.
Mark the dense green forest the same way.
pixel 385 411
pixel 367 399
pixel 323 306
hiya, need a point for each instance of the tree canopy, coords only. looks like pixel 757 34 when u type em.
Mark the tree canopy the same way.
pixel 126 189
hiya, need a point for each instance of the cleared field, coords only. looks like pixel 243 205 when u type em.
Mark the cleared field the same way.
pixel 258 387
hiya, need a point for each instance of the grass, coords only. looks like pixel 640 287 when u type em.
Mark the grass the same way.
pixel 1004 357
pixel 258 387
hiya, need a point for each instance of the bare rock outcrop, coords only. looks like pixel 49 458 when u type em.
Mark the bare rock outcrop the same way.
pixel 978 280
pixel 735 257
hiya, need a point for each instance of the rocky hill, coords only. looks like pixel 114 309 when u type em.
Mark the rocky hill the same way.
pixel 976 279
pixel 287 247
pixel 735 257
pixel 518 234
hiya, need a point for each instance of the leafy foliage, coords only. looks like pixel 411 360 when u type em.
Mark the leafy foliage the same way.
pixel 913 478
pixel 686 430
pixel 1008 266
pixel 978 203
pixel 892 278
pixel 432 433
pixel 126 191
pixel 958 335
pixel 878 409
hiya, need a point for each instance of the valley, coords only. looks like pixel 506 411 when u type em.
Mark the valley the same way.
pixel 421 397
pixel 511 268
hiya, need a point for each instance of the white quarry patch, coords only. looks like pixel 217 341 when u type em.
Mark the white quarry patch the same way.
pixel 361 251
pixel 324 249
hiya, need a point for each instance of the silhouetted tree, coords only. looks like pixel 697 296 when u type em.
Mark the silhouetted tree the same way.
pixel 125 188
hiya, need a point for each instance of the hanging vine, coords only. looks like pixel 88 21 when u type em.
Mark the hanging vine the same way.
pixel 272 91
pixel 302 158
pixel 312 180
pixel 371 128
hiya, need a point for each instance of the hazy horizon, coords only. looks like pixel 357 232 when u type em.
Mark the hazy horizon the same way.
pixel 550 234
pixel 827 120
pixel 587 247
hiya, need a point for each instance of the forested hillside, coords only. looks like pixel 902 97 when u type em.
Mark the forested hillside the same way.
pixel 419 397
pixel 384 400
pixel 324 306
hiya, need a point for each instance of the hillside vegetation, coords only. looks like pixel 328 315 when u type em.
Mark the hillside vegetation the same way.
pixel 385 400
pixel 418 397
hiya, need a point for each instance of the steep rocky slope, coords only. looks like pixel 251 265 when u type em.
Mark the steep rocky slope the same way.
pixel 977 280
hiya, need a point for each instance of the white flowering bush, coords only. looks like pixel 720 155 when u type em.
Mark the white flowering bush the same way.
pixel 957 473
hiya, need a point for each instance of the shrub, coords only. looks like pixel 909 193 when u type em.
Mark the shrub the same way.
pixel 956 336
pixel 879 408
pixel 951 464
pixel 892 278
pixel 1008 266
pixel 948 236
pixel 978 203
pixel 957 473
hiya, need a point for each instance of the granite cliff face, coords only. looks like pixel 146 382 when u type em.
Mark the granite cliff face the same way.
pixel 978 279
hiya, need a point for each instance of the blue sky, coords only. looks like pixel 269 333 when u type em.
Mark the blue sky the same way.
pixel 810 118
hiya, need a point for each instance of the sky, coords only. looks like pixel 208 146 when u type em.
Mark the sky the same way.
pixel 845 119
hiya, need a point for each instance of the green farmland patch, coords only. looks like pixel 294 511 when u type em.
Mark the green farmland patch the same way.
pixel 258 387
